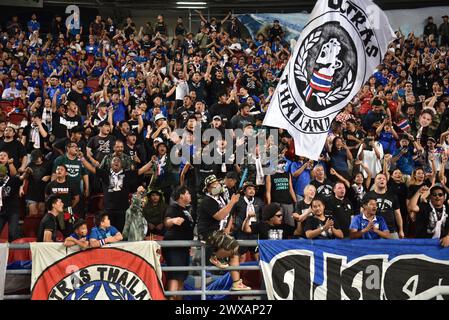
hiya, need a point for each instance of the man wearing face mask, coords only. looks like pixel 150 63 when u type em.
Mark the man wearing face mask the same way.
pixel 213 215
pixel 247 204
pixel 279 189
pixel 9 202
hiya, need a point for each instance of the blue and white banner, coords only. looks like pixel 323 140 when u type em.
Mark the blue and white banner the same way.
pixel 338 50
pixel 3 263
pixel 406 20
pixel 416 269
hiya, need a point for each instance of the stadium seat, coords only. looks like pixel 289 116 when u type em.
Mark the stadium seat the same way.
pixel 16 118
pixel 31 225
pixel 4 233
pixel 20 254
pixel 6 106
pixel 93 83
pixel 90 221
pixel 59 236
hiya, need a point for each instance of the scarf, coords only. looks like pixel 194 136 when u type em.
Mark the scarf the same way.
pixel 436 223
pixel 35 137
pixel 161 164
pixel 221 203
pixel 47 118
pixel 250 208
pixel 359 191
pixel 1 191
pixel 259 173
pixel 115 180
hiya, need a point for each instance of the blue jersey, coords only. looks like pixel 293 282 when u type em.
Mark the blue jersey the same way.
pixel 101 234
pixel 360 222
pixel 77 237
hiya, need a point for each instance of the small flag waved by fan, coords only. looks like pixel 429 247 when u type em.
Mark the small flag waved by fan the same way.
pixel 404 125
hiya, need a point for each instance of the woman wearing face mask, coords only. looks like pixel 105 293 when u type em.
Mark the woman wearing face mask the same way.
pixel 213 215
pixel 279 189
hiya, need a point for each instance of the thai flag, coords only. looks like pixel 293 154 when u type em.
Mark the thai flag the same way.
pixel 404 125
pixel 319 82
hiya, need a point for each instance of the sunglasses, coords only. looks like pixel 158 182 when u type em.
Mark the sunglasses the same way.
pixel 437 194
pixel 278 215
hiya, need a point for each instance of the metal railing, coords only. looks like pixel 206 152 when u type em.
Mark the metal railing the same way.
pixel 203 268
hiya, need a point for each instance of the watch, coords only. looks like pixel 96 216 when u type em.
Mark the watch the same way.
pixel 321 228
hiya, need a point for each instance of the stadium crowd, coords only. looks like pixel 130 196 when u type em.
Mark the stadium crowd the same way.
pixel 90 114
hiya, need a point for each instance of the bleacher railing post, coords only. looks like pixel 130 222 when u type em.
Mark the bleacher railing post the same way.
pixel 203 272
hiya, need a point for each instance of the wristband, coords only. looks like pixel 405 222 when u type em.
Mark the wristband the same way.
pixel 102 242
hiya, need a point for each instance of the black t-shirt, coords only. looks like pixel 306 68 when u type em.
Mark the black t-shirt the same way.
pixel 387 203
pixel 181 116
pixel 81 100
pixel 239 213
pixel 60 124
pixel 48 223
pixel 101 146
pixel 412 189
pixel 185 230
pixel 36 187
pixel 425 224
pixel 217 87
pixel 66 190
pixel 342 212
pixel 10 196
pixel 313 223
pixel 226 111
pixel 280 188
pixel 323 189
pixel 199 88
pixel 401 192
pixel 15 149
pixel 116 189
pixel 206 222
pixel 269 232
pixel 250 84
pixel 29 144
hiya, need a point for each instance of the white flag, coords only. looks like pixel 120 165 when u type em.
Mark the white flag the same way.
pixel 337 51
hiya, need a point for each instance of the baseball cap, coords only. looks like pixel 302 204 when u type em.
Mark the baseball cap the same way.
pixel 158 140
pixel 217 117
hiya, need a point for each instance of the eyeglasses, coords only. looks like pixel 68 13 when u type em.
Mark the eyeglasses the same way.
pixel 440 194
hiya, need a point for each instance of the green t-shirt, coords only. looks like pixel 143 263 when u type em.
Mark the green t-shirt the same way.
pixel 75 169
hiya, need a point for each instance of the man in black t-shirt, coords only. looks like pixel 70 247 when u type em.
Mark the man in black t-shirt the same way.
pixel 320 226
pixel 9 205
pixel 117 185
pixel 340 207
pixel 387 206
pixel 49 225
pixel 81 98
pixel 321 183
pixel 100 145
pixel 431 217
pixel 67 191
pixel 14 148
